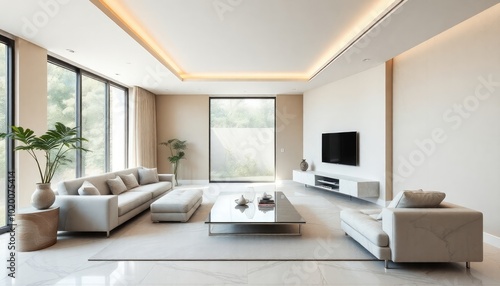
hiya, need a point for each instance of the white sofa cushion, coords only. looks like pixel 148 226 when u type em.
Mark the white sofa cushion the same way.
pixel 130 181
pixel 148 176
pixel 88 189
pixel 155 190
pixel 362 222
pixel 130 200
pixel 116 185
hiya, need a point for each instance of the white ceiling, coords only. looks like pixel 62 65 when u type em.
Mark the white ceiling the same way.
pixel 230 46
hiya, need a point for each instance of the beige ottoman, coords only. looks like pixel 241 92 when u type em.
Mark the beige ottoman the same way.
pixel 177 205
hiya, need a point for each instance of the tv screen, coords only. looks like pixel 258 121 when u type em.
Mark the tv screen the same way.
pixel 340 148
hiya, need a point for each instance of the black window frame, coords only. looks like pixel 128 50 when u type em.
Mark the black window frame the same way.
pixel 79 72
pixel 210 137
pixel 10 153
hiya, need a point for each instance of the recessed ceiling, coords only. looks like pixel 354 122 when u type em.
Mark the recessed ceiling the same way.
pixel 220 47
pixel 246 40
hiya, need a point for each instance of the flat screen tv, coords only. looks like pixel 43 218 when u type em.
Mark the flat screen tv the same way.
pixel 340 148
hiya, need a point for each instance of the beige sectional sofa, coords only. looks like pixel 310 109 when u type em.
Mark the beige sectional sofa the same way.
pixel 442 233
pixel 103 202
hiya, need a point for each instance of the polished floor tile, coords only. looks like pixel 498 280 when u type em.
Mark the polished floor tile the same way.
pixel 66 263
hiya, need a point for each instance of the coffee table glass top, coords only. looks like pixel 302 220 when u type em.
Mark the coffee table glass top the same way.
pixel 225 210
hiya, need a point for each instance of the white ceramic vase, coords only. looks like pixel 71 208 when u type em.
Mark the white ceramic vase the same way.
pixel 43 197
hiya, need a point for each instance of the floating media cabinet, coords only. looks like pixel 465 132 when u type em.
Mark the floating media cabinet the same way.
pixel 355 187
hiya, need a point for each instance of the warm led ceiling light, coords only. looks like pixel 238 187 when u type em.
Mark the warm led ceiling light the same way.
pixel 119 14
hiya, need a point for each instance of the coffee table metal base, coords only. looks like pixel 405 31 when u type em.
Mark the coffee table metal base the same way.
pixel 272 229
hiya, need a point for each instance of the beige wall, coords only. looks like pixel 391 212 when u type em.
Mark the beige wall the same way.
pixel 356 103
pixel 30 110
pixel 289 130
pixel 447 114
pixel 186 117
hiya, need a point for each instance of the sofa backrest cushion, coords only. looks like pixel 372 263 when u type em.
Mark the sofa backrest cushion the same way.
pixel 70 187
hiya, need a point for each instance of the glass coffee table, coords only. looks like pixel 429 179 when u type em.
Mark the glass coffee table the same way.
pixel 228 218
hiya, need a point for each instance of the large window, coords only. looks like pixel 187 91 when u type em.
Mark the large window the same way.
pixel 99 108
pixel 242 139
pixel 61 107
pixel 6 120
pixel 94 125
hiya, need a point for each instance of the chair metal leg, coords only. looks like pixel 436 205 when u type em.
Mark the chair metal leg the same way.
pixel 386 264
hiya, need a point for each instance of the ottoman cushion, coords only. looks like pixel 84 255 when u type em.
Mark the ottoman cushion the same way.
pixel 177 205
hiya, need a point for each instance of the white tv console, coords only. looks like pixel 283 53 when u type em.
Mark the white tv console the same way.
pixel 355 187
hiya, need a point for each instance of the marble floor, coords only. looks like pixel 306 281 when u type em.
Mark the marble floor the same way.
pixel 66 263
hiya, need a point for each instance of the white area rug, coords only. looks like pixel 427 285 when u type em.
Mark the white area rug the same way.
pixel 321 239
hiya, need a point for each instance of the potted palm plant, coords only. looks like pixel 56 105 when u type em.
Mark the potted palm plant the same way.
pixel 177 148
pixel 54 144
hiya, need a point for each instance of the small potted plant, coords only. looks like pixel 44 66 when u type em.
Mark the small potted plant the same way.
pixel 54 145
pixel 177 153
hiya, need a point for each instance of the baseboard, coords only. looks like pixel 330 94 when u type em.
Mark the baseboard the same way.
pixel 491 239
pixel 193 182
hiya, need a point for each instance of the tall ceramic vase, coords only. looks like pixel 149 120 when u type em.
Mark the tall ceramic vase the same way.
pixel 43 197
pixel 174 170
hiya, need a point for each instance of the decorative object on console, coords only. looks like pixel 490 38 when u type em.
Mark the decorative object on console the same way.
pixel 55 143
pixel 177 153
pixel 304 165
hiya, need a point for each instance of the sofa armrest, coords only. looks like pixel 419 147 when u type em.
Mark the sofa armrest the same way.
pixel 87 213
pixel 166 177
pixel 445 234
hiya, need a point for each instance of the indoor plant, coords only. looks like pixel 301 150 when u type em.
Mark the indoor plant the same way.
pixel 177 153
pixel 54 144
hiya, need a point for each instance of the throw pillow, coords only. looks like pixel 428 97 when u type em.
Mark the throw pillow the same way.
pixel 88 189
pixel 148 176
pixel 427 199
pixel 116 186
pixel 396 201
pixel 130 181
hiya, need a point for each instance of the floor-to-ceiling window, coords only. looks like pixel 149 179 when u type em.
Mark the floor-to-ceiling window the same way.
pixel 99 108
pixel 118 106
pixel 61 107
pixel 94 125
pixel 7 194
pixel 242 139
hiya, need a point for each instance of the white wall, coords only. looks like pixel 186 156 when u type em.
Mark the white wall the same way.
pixel 447 116
pixel 356 103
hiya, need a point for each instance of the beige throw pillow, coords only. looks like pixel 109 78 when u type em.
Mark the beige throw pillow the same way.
pixel 421 199
pixel 88 189
pixel 116 186
pixel 130 181
pixel 148 176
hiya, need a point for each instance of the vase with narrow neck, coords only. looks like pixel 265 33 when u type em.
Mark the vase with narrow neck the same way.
pixel 43 197
pixel 304 165
pixel 174 170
